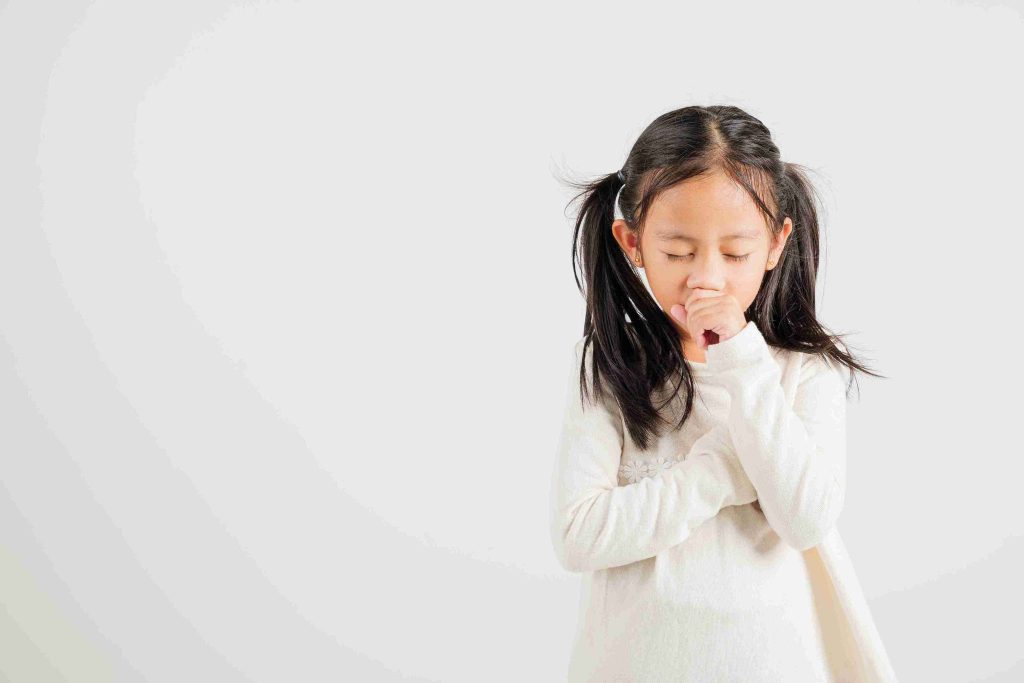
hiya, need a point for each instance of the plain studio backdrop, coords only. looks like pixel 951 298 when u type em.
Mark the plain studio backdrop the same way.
pixel 287 310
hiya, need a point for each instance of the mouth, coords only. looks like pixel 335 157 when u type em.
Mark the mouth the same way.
pixel 710 337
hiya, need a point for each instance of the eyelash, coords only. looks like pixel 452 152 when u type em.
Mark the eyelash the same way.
pixel 676 257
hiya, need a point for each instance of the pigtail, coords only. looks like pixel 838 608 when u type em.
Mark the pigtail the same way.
pixel 635 347
pixel 622 322
pixel 785 307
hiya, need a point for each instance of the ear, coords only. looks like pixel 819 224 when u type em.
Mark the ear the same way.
pixel 627 239
pixel 779 242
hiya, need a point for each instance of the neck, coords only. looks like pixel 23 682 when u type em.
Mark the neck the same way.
pixel 693 354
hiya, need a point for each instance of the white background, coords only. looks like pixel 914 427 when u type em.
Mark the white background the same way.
pixel 287 308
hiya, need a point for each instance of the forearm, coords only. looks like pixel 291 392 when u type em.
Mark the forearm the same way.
pixel 793 455
pixel 596 525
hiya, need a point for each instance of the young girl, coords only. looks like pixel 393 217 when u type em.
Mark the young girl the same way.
pixel 706 530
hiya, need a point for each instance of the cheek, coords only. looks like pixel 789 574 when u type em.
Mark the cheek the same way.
pixel 666 284
pixel 748 284
pixel 747 280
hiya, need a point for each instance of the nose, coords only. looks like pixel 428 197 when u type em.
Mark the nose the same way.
pixel 706 273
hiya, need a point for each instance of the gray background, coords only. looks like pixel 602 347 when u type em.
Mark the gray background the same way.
pixel 286 314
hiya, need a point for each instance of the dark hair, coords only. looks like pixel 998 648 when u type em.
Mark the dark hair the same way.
pixel 637 356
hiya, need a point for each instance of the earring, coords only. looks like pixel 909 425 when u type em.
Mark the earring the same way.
pixel 636 258
pixel 771 264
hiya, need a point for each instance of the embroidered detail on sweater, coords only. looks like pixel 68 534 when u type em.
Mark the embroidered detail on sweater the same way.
pixel 632 472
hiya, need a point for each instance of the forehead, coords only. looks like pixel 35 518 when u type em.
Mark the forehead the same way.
pixel 706 208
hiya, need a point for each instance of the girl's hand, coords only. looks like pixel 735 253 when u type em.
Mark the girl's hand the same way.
pixel 710 317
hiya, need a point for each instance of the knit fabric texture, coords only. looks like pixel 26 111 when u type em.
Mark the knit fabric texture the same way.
pixel 713 555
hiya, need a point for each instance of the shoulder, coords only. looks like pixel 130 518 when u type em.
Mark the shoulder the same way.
pixel 578 346
pixel 603 398
pixel 578 358
pixel 821 367
pixel 577 349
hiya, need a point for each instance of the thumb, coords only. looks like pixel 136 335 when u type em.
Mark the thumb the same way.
pixel 678 312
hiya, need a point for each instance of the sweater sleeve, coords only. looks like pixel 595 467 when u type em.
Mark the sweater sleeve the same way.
pixel 795 456
pixel 597 524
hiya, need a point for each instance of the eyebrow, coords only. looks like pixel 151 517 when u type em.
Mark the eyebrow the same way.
pixel 670 235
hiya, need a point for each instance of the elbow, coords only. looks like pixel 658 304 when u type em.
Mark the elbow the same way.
pixel 567 557
pixel 570 563
pixel 561 543
pixel 810 528
pixel 567 551
pixel 572 549
pixel 576 547
pixel 805 536
pixel 582 539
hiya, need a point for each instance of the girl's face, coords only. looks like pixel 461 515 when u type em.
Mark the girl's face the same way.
pixel 704 233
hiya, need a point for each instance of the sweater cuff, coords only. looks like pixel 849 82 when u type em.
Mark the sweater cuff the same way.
pixel 744 348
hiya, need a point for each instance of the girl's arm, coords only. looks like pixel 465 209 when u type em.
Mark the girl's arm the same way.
pixel 597 524
pixel 795 457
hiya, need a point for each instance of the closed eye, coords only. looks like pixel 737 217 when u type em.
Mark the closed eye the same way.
pixel 731 257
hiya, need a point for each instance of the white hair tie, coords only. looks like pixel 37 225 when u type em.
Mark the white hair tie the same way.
pixel 618 209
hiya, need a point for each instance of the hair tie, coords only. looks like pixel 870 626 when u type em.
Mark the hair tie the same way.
pixel 618 209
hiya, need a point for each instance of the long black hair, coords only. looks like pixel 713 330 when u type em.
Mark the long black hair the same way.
pixel 635 347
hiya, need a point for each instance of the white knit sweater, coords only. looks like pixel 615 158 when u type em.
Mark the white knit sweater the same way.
pixel 684 579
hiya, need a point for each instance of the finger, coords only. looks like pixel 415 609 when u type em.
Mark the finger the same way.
pixel 701 312
pixel 700 293
pixel 700 318
pixel 702 304
pixel 695 328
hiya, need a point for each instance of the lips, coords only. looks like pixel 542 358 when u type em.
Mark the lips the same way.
pixel 710 337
